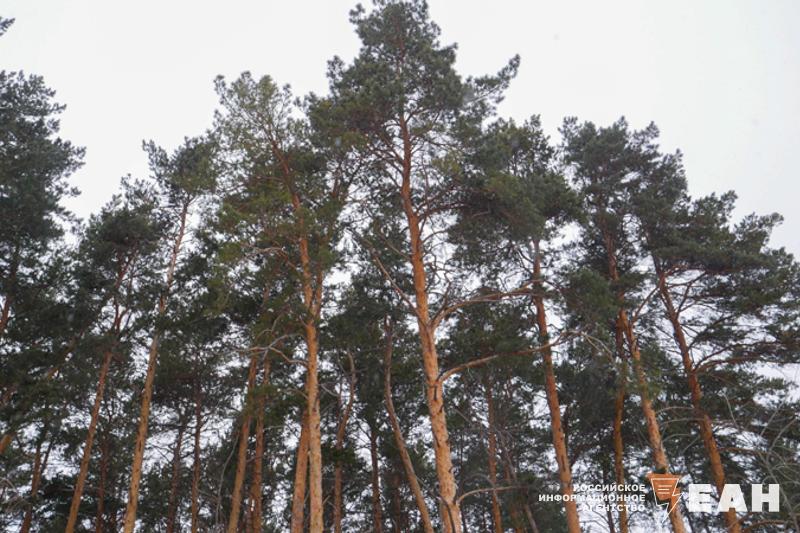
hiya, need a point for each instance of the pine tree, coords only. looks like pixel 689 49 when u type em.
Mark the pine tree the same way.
pixel 607 165
pixel 513 203
pixel 405 101
pixel 182 178
pixel 116 252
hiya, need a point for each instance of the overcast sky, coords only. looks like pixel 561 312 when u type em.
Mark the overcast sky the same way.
pixel 720 78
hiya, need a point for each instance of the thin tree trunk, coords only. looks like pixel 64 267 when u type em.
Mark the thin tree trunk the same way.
pixel 703 420
pixel 87 447
pixel 147 392
pixel 408 466
pixel 101 489
pixel 339 445
pixel 172 505
pixel 5 313
pixel 609 514
pixel 559 441
pixel 241 458
pixel 300 478
pixel 377 513
pixel 5 441
pixel 258 460
pixel 198 428
pixel 399 517
pixel 619 415
pixel 39 464
pixel 497 516
pixel 651 420
pixel 511 479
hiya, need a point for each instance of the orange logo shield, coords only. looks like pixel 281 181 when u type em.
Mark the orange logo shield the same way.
pixel 665 487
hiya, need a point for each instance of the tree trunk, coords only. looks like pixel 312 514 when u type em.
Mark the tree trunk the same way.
pixel 619 415
pixel 5 441
pixel 172 505
pixel 87 447
pixel 451 517
pixel 5 312
pixel 241 458
pixel 408 466
pixel 399 517
pixel 312 296
pixel 198 428
pixel 4 315
pixel 497 516
pixel 300 478
pixel 39 464
pixel 609 514
pixel 703 420
pixel 101 489
pixel 511 479
pixel 258 460
pixel 147 392
pixel 653 430
pixel 311 282
pixel 559 441
pixel 339 445
pixel 377 513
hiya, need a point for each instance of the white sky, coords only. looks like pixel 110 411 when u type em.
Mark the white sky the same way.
pixel 720 78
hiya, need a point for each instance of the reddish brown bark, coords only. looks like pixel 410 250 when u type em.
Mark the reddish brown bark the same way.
pixel 653 430
pixel 312 296
pixel 619 415
pixel 147 391
pixel 172 503
pixel 400 442
pixel 609 513
pixel 399 517
pixel 696 393
pixel 241 458
pixel 300 478
pixel 311 284
pixel 651 421
pixel 5 442
pixel 551 391
pixel 377 512
pixel 258 459
pixel 497 516
pixel 339 445
pixel 521 508
pixel 5 312
pixel 198 429
pixel 87 447
pixel 39 464
pixel 434 393
pixel 101 489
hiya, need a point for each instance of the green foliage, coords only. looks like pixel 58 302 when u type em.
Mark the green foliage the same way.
pixel 320 192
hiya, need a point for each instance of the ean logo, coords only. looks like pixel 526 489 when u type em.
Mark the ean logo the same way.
pixel 665 488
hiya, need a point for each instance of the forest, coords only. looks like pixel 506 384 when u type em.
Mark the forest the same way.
pixel 385 309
